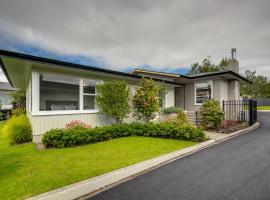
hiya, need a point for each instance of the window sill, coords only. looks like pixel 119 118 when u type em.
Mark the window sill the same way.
pixel 64 112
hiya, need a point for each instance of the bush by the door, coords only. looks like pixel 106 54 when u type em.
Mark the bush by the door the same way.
pixel 211 114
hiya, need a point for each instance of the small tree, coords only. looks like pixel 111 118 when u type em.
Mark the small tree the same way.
pixel 146 100
pixel 211 114
pixel 113 99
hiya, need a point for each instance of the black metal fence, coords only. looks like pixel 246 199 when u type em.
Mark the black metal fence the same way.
pixel 241 111
pixel 237 110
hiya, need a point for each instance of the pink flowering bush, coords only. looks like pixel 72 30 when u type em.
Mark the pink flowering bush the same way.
pixel 77 123
pixel 227 123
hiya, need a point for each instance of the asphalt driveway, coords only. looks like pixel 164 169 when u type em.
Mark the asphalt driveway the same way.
pixel 235 169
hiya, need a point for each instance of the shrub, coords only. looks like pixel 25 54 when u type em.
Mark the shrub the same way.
pixel 19 99
pixel 79 136
pixel 113 99
pixel 18 111
pixel 171 110
pixel 211 114
pixel 66 137
pixel 18 129
pixel 182 117
pixel 227 123
pixel 77 123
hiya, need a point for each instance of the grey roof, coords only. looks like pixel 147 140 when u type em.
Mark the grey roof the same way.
pixel 6 86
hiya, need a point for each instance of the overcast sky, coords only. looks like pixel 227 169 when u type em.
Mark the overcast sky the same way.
pixel 123 34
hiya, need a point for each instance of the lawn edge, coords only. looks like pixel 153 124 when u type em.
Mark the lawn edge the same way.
pixel 90 187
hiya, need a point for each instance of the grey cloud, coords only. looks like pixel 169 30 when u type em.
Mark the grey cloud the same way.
pixel 166 34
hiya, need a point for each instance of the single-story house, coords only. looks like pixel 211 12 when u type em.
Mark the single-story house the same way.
pixel 59 92
pixel 5 96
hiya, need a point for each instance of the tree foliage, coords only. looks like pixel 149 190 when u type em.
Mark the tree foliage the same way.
pixel 113 99
pixel 260 86
pixel 163 90
pixel 19 99
pixel 208 66
pixel 146 100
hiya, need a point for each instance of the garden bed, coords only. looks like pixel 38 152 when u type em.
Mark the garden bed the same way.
pixel 230 126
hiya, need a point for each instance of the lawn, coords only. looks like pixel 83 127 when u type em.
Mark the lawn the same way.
pixel 25 171
pixel 263 107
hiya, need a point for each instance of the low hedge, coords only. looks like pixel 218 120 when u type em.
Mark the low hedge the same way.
pixel 79 136
pixel 171 110
pixel 18 129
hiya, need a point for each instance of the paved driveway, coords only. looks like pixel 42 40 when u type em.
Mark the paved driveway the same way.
pixel 235 169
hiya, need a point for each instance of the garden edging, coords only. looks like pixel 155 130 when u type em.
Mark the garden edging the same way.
pixel 100 183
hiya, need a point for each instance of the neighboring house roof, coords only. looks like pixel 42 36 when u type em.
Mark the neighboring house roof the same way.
pixel 136 71
pixel 15 55
pixel 6 86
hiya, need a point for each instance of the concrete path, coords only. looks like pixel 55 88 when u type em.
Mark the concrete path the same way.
pixel 235 169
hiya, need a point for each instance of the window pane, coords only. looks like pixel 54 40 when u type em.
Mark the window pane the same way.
pixel 203 92
pixel 88 102
pixel 89 86
pixel 59 92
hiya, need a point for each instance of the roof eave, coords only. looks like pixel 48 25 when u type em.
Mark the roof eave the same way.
pixel 16 55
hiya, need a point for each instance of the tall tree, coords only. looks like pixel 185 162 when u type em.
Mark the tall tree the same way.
pixel 260 86
pixel 146 100
pixel 208 66
pixel 113 99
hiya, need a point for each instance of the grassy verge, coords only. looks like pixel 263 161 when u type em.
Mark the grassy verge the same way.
pixel 25 171
pixel 263 107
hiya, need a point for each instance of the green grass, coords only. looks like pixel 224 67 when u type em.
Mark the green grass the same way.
pixel 25 171
pixel 263 107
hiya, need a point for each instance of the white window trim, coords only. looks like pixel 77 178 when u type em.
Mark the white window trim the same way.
pixel 35 100
pixel 195 91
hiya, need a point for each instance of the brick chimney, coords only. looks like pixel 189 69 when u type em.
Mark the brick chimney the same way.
pixel 233 64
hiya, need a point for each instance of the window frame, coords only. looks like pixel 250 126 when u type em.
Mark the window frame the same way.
pixel 36 97
pixel 195 90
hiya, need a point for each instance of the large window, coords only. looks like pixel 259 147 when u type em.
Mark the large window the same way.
pixel 203 92
pixel 89 93
pixel 59 92
pixel 66 93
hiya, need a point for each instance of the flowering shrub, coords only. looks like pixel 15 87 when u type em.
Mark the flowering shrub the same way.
pixel 77 123
pixel 227 123
pixel 60 138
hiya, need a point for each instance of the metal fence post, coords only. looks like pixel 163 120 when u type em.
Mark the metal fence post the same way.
pixel 250 112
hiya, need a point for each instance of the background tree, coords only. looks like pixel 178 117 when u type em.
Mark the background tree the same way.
pixel 19 99
pixel 113 99
pixel 260 86
pixel 208 66
pixel 145 100
pixel 163 90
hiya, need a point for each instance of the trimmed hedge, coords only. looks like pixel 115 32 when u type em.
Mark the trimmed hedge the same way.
pixel 18 129
pixel 171 110
pixel 79 136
